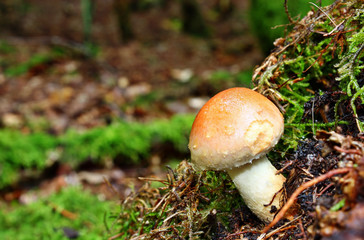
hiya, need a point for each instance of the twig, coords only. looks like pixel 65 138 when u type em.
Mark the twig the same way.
pixel 338 27
pixel 116 236
pixel 302 229
pixel 323 190
pixel 287 12
pixel 164 181
pixel 240 232
pixel 160 202
pixel 172 216
pixel 281 228
pixel 299 190
pixel 274 196
pixel 348 151
pixel 64 212
pixel 324 13
pixel 284 167
pixel 110 186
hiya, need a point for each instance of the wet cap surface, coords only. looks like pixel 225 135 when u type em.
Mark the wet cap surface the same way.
pixel 233 128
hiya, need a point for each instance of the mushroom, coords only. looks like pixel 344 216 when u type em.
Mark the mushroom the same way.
pixel 233 131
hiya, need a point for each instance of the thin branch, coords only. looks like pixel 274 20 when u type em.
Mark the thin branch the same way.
pixel 284 167
pixel 299 190
pixel 287 12
pixel 281 228
pixel 348 151
pixel 325 14
pixel 302 229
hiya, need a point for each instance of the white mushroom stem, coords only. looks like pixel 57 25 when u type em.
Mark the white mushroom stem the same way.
pixel 258 184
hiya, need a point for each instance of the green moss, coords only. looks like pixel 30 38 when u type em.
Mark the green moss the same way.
pixel 43 219
pixel 22 68
pixel 316 57
pixel 129 141
pixel 13 68
pixel 19 151
pixel 6 48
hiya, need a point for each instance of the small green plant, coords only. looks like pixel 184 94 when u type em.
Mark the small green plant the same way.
pixel 338 205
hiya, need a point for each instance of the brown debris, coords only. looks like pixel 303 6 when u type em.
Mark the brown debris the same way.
pixel 350 225
pixel 330 195
pixel 299 190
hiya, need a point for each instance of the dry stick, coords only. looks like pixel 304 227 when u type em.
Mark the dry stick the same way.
pixel 280 229
pixel 327 187
pixel 300 224
pixel 284 167
pixel 111 187
pixel 116 236
pixel 348 151
pixel 63 212
pixel 299 190
pixel 287 12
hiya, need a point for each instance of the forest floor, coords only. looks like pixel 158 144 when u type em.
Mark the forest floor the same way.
pixel 49 82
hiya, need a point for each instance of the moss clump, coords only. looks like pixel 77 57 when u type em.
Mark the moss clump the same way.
pixel 19 151
pixel 320 60
pixel 128 140
pixel 70 211
pixel 131 142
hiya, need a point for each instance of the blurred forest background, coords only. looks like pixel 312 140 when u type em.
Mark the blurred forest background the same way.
pixel 97 91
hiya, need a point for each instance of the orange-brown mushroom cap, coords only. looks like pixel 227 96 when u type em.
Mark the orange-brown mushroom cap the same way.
pixel 233 128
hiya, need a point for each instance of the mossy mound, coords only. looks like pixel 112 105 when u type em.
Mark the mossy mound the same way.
pixel 315 76
pixel 25 156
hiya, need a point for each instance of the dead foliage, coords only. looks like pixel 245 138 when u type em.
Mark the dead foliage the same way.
pixel 325 189
pixel 191 205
